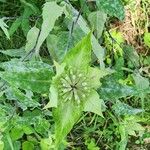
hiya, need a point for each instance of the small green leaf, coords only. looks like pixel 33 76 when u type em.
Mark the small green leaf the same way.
pixel 25 24
pixel 16 133
pixel 131 55
pixel 80 55
pixel 23 100
pixel 46 144
pixel 1 145
pixel 96 74
pixel 97 20
pixel 147 39
pixel 4 27
pixel 141 82
pixel 28 146
pixel 51 12
pixel 93 104
pixel 53 96
pixel 15 25
pixel 112 7
pixel 31 38
pixel 14 52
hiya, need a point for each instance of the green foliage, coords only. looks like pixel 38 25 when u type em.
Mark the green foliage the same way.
pixel 97 20
pixel 75 93
pixel 147 39
pixel 68 80
pixel 112 7
pixel 34 75
pixel 49 19
pixel 4 27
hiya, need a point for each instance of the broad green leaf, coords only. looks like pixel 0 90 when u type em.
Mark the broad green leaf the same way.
pixel 51 12
pixel 97 20
pixel 14 52
pixel 124 109
pixel 112 7
pixel 31 38
pixel 35 75
pixel 15 25
pixel 147 39
pixel 80 55
pixel 112 89
pixel 93 103
pixel 4 27
pixel 28 146
pixel 58 47
pixel 65 116
pixel 97 49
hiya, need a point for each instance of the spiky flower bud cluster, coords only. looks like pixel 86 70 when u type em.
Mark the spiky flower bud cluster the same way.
pixel 74 85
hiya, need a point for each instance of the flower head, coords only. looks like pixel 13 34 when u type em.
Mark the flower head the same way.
pixel 74 85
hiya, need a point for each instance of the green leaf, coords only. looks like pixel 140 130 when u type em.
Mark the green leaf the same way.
pixel 4 27
pixel 147 39
pixel 25 24
pixel 112 7
pixel 96 74
pixel 24 100
pixel 15 25
pixel 93 103
pixel 65 116
pixel 46 144
pixel 124 109
pixel 97 49
pixel 35 75
pixel 58 47
pixel 31 38
pixel 97 20
pixel 80 55
pixel 51 42
pixel 74 73
pixel 112 89
pixel 124 137
pixel 53 96
pixel 131 55
pixel 51 12
pixel 16 133
pixel 28 146
pixel 141 82
pixel 1 145
pixel 14 52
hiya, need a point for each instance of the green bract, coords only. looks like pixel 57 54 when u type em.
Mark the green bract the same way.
pixel 73 89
